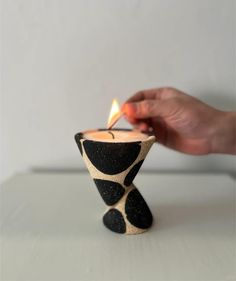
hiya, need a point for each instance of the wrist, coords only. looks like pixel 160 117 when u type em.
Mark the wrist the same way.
pixel 223 138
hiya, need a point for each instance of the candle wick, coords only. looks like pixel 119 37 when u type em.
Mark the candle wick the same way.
pixel 109 132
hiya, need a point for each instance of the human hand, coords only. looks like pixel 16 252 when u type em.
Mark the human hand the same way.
pixel 182 122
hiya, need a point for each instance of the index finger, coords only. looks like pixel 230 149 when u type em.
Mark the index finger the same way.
pixel 144 94
pixel 150 94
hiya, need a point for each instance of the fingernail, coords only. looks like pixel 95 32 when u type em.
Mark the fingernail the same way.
pixel 128 109
pixel 123 107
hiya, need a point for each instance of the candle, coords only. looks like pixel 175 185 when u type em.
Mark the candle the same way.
pixel 115 136
pixel 113 158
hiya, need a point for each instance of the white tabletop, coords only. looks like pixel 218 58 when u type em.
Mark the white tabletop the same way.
pixel 52 230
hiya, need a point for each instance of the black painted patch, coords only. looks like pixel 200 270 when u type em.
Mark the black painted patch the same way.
pixel 137 210
pixel 78 138
pixel 110 191
pixel 114 220
pixel 132 173
pixel 111 158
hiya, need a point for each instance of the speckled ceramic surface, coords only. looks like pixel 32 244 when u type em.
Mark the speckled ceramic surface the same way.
pixel 113 167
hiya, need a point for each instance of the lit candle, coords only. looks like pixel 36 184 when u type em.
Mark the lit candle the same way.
pixel 113 158
pixel 115 135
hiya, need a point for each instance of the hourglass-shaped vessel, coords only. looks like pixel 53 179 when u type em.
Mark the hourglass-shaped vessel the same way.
pixel 113 165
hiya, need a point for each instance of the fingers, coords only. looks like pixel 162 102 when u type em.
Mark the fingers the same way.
pixel 145 94
pixel 152 103
pixel 155 125
pixel 144 109
pixel 142 126
pixel 160 130
pixel 158 93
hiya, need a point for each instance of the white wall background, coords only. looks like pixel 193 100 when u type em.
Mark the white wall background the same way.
pixel 64 60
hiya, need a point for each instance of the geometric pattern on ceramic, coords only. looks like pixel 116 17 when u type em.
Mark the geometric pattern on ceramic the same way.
pixel 113 167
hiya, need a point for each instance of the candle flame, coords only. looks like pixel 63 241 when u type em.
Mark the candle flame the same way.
pixel 115 114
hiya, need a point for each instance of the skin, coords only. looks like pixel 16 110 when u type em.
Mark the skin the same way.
pixel 182 122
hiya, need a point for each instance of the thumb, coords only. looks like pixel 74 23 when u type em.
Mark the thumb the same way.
pixel 146 109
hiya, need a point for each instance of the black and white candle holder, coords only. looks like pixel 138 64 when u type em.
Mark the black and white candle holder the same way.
pixel 113 167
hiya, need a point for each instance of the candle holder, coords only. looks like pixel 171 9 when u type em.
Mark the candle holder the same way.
pixel 113 167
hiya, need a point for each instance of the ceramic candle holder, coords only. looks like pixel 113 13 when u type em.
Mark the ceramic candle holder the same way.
pixel 113 167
